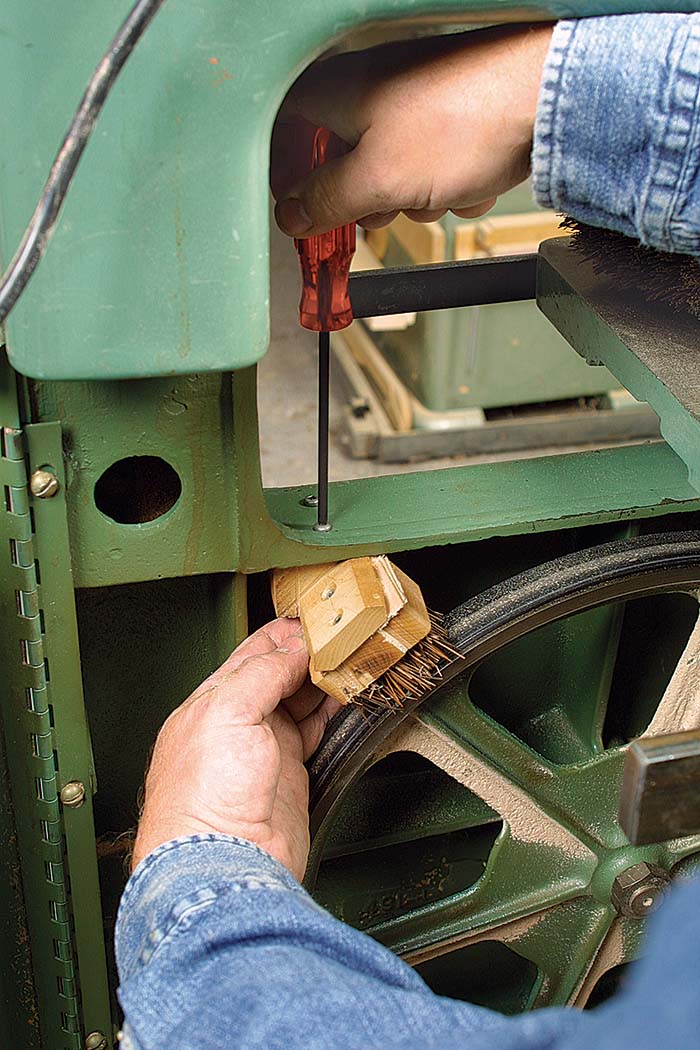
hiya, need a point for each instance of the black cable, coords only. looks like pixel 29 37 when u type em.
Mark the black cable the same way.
pixel 43 221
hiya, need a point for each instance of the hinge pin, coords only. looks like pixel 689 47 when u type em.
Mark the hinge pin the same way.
pixel 43 484
pixel 73 795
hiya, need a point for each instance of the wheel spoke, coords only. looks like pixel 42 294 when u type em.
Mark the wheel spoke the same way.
pixel 534 883
pixel 544 862
pixel 527 821
pixel 569 798
pixel 621 944
pixel 561 944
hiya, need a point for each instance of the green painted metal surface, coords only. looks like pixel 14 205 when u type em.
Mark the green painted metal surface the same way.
pixel 70 737
pixel 160 268
pixel 18 1007
pixel 206 428
pixel 160 263
pixel 650 345
pixel 188 423
pixel 27 716
pixel 402 512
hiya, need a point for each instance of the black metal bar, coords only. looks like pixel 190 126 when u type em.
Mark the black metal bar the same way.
pixel 324 360
pixel 442 286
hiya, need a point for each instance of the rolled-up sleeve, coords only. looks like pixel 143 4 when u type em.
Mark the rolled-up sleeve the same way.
pixel 219 947
pixel 617 135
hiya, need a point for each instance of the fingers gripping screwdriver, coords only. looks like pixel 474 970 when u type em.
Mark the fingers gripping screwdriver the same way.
pixel 325 305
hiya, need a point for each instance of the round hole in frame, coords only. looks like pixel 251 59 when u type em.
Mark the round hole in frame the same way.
pixel 137 489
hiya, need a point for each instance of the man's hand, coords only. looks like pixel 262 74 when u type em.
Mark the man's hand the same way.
pixel 230 759
pixel 436 124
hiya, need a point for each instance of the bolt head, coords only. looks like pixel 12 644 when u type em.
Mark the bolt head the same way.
pixel 73 794
pixel 43 484
pixel 310 501
pixel 96 1041
pixel 637 891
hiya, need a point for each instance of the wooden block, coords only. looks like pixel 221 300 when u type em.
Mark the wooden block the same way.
pixel 360 617
pixel 341 610
pixel 380 652
pixel 412 623
pixel 394 594
pixel 501 235
pixel 289 584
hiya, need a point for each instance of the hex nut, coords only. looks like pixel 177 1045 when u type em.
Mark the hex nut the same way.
pixel 43 484
pixel 73 794
pixel 96 1041
pixel 637 890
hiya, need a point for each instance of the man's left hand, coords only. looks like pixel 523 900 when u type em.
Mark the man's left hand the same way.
pixel 231 758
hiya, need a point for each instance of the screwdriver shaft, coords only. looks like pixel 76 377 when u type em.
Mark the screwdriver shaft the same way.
pixel 324 362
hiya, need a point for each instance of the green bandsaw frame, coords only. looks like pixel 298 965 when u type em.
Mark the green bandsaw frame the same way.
pixel 165 275
pixel 167 271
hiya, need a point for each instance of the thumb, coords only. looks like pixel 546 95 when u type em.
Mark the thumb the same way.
pixel 341 191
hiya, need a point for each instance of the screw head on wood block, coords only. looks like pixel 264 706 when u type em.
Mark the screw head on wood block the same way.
pixel 288 585
pixel 341 610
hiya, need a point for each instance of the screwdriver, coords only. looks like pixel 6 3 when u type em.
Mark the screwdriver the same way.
pixel 325 305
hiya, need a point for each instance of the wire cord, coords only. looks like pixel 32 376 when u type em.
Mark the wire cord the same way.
pixel 43 221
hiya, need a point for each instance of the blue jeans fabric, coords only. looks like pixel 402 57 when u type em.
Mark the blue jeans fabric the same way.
pixel 617 135
pixel 220 948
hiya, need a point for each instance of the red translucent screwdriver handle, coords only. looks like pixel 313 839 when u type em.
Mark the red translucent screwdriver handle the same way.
pixel 325 260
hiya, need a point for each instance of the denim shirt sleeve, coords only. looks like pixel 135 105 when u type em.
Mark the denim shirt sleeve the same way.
pixel 617 134
pixel 219 948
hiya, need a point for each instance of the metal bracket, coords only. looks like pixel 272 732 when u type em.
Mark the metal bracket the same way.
pixel 41 734
pixel 651 346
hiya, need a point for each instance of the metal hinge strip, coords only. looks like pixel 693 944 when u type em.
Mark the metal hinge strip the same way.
pixel 32 760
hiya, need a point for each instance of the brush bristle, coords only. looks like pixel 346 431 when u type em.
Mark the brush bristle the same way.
pixel 660 276
pixel 415 674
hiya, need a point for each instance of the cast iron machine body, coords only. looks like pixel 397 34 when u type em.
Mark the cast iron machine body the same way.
pixel 134 523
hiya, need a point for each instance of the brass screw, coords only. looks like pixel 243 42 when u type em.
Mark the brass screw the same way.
pixel 43 484
pixel 96 1041
pixel 73 795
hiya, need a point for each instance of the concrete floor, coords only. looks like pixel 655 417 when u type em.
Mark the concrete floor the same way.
pixel 287 396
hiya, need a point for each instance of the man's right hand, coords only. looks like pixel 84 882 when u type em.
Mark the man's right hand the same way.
pixel 436 124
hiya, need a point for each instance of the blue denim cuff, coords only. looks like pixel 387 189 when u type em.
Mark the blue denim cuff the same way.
pixel 617 134
pixel 177 881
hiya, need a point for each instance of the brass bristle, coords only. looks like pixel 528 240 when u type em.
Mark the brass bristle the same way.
pixel 660 276
pixel 415 674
